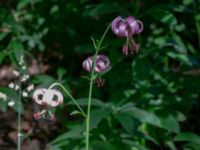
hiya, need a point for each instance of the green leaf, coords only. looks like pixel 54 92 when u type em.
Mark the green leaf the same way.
pixel 179 44
pixel 99 145
pixel 103 9
pixel 54 9
pixel 18 50
pixel 135 145
pixel 74 133
pixel 2 56
pixel 61 72
pixel 171 145
pixel 170 123
pixel 180 57
pixel 84 102
pixel 143 116
pixel 43 80
pixel 22 4
pixel 163 16
pixel 4 34
pixel 126 121
pixel 187 2
pixel 96 117
pixel 75 112
pixel 197 17
pixel 12 96
pixel 180 116
pixel 187 137
pixel 191 146
pixel 58 145
pixel 3 105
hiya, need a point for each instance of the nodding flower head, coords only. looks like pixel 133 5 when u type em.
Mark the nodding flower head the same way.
pixel 102 64
pixel 48 97
pixel 127 27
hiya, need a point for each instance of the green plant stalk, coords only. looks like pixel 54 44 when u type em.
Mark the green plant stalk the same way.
pixel 143 141
pixel 19 120
pixel 97 48
pixel 70 96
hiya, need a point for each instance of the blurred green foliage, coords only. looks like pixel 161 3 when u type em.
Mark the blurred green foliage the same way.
pixel 147 99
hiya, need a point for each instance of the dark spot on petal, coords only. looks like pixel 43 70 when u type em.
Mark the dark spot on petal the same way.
pixel 40 97
pixel 55 98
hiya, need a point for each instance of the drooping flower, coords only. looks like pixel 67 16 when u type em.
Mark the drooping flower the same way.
pixel 102 64
pixel 99 81
pixel 127 28
pixel 47 98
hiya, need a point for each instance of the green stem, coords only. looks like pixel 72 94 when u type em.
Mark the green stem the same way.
pixel 143 141
pixel 19 121
pixel 97 48
pixel 70 96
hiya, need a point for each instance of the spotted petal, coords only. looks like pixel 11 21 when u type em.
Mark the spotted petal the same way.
pixel 56 98
pixel 38 95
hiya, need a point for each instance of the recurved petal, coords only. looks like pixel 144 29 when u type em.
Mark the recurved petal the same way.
pixel 114 25
pixel 38 95
pixel 130 20
pixel 136 26
pixel 141 26
pixel 102 64
pixel 87 64
pixel 56 98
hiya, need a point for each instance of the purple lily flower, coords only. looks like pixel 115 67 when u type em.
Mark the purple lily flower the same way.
pixel 127 27
pixel 102 64
pixel 47 98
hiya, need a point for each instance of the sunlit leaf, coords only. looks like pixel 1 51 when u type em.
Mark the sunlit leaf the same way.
pixel 187 137
pixel 84 102
pixel 180 57
pixel 143 116
pixel 170 123
pixel 74 133
pixel 164 16
pixel 75 112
